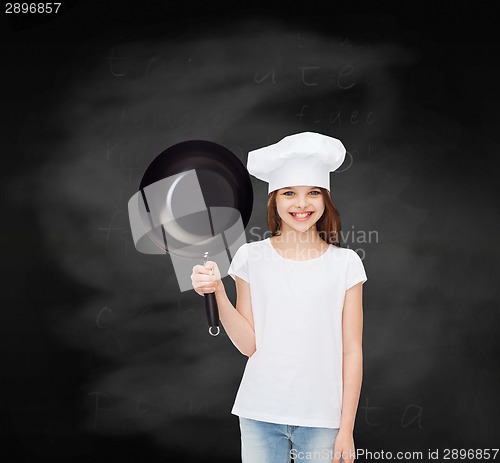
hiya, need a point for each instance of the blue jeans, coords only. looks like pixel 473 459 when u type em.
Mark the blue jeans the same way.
pixel 263 442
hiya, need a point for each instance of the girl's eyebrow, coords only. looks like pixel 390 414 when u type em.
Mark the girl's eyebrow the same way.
pixel 292 188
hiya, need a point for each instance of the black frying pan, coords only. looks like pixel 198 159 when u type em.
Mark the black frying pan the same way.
pixel 194 198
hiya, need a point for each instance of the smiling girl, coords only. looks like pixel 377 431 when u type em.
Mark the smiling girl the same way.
pixel 298 313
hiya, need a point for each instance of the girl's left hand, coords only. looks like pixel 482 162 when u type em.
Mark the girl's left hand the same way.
pixel 344 448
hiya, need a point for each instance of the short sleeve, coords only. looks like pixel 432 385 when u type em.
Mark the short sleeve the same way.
pixel 239 264
pixel 355 270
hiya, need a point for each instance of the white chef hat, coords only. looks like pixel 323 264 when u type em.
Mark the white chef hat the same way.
pixel 305 158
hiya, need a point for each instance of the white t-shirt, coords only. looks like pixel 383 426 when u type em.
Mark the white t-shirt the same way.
pixel 295 375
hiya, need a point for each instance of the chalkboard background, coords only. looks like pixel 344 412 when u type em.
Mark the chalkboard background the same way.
pixel 104 358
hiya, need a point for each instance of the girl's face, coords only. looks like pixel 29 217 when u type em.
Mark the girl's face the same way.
pixel 299 207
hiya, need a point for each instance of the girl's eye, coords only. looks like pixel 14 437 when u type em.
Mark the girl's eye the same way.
pixel 291 193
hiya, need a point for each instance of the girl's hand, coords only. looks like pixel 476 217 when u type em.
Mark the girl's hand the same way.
pixel 344 447
pixel 206 279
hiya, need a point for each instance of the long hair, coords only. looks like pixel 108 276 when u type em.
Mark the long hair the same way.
pixel 328 226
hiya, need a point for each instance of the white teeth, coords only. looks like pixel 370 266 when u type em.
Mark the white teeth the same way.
pixel 301 216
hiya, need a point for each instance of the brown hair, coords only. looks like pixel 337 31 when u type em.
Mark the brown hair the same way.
pixel 328 226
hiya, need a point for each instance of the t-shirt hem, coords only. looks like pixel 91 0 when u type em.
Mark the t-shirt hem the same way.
pixel 243 277
pixel 355 282
pixel 289 420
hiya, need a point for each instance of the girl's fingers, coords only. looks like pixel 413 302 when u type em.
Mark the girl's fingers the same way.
pixel 201 269
pixel 200 277
pixel 211 266
pixel 208 281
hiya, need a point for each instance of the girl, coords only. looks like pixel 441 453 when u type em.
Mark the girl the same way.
pixel 298 313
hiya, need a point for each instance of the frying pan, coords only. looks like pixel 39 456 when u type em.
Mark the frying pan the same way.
pixel 195 199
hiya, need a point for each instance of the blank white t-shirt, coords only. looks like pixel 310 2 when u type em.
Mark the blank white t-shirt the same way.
pixel 295 375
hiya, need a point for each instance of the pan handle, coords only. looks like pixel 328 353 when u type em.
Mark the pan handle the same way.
pixel 212 313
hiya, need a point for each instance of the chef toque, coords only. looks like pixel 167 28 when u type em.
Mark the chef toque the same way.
pixel 305 158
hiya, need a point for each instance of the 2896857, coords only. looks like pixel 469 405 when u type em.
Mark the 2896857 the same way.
pixel 23 8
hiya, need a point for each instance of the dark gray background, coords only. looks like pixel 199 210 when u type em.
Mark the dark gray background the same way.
pixel 104 357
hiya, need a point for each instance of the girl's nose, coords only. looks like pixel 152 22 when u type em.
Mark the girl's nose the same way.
pixel 302 201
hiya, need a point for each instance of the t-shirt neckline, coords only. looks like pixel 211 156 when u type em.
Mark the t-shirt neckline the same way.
pixel 294 260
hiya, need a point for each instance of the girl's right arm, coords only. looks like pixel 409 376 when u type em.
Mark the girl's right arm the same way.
pixel 238 323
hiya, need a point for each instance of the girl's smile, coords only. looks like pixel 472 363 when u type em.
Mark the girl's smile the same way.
pixel 301 216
